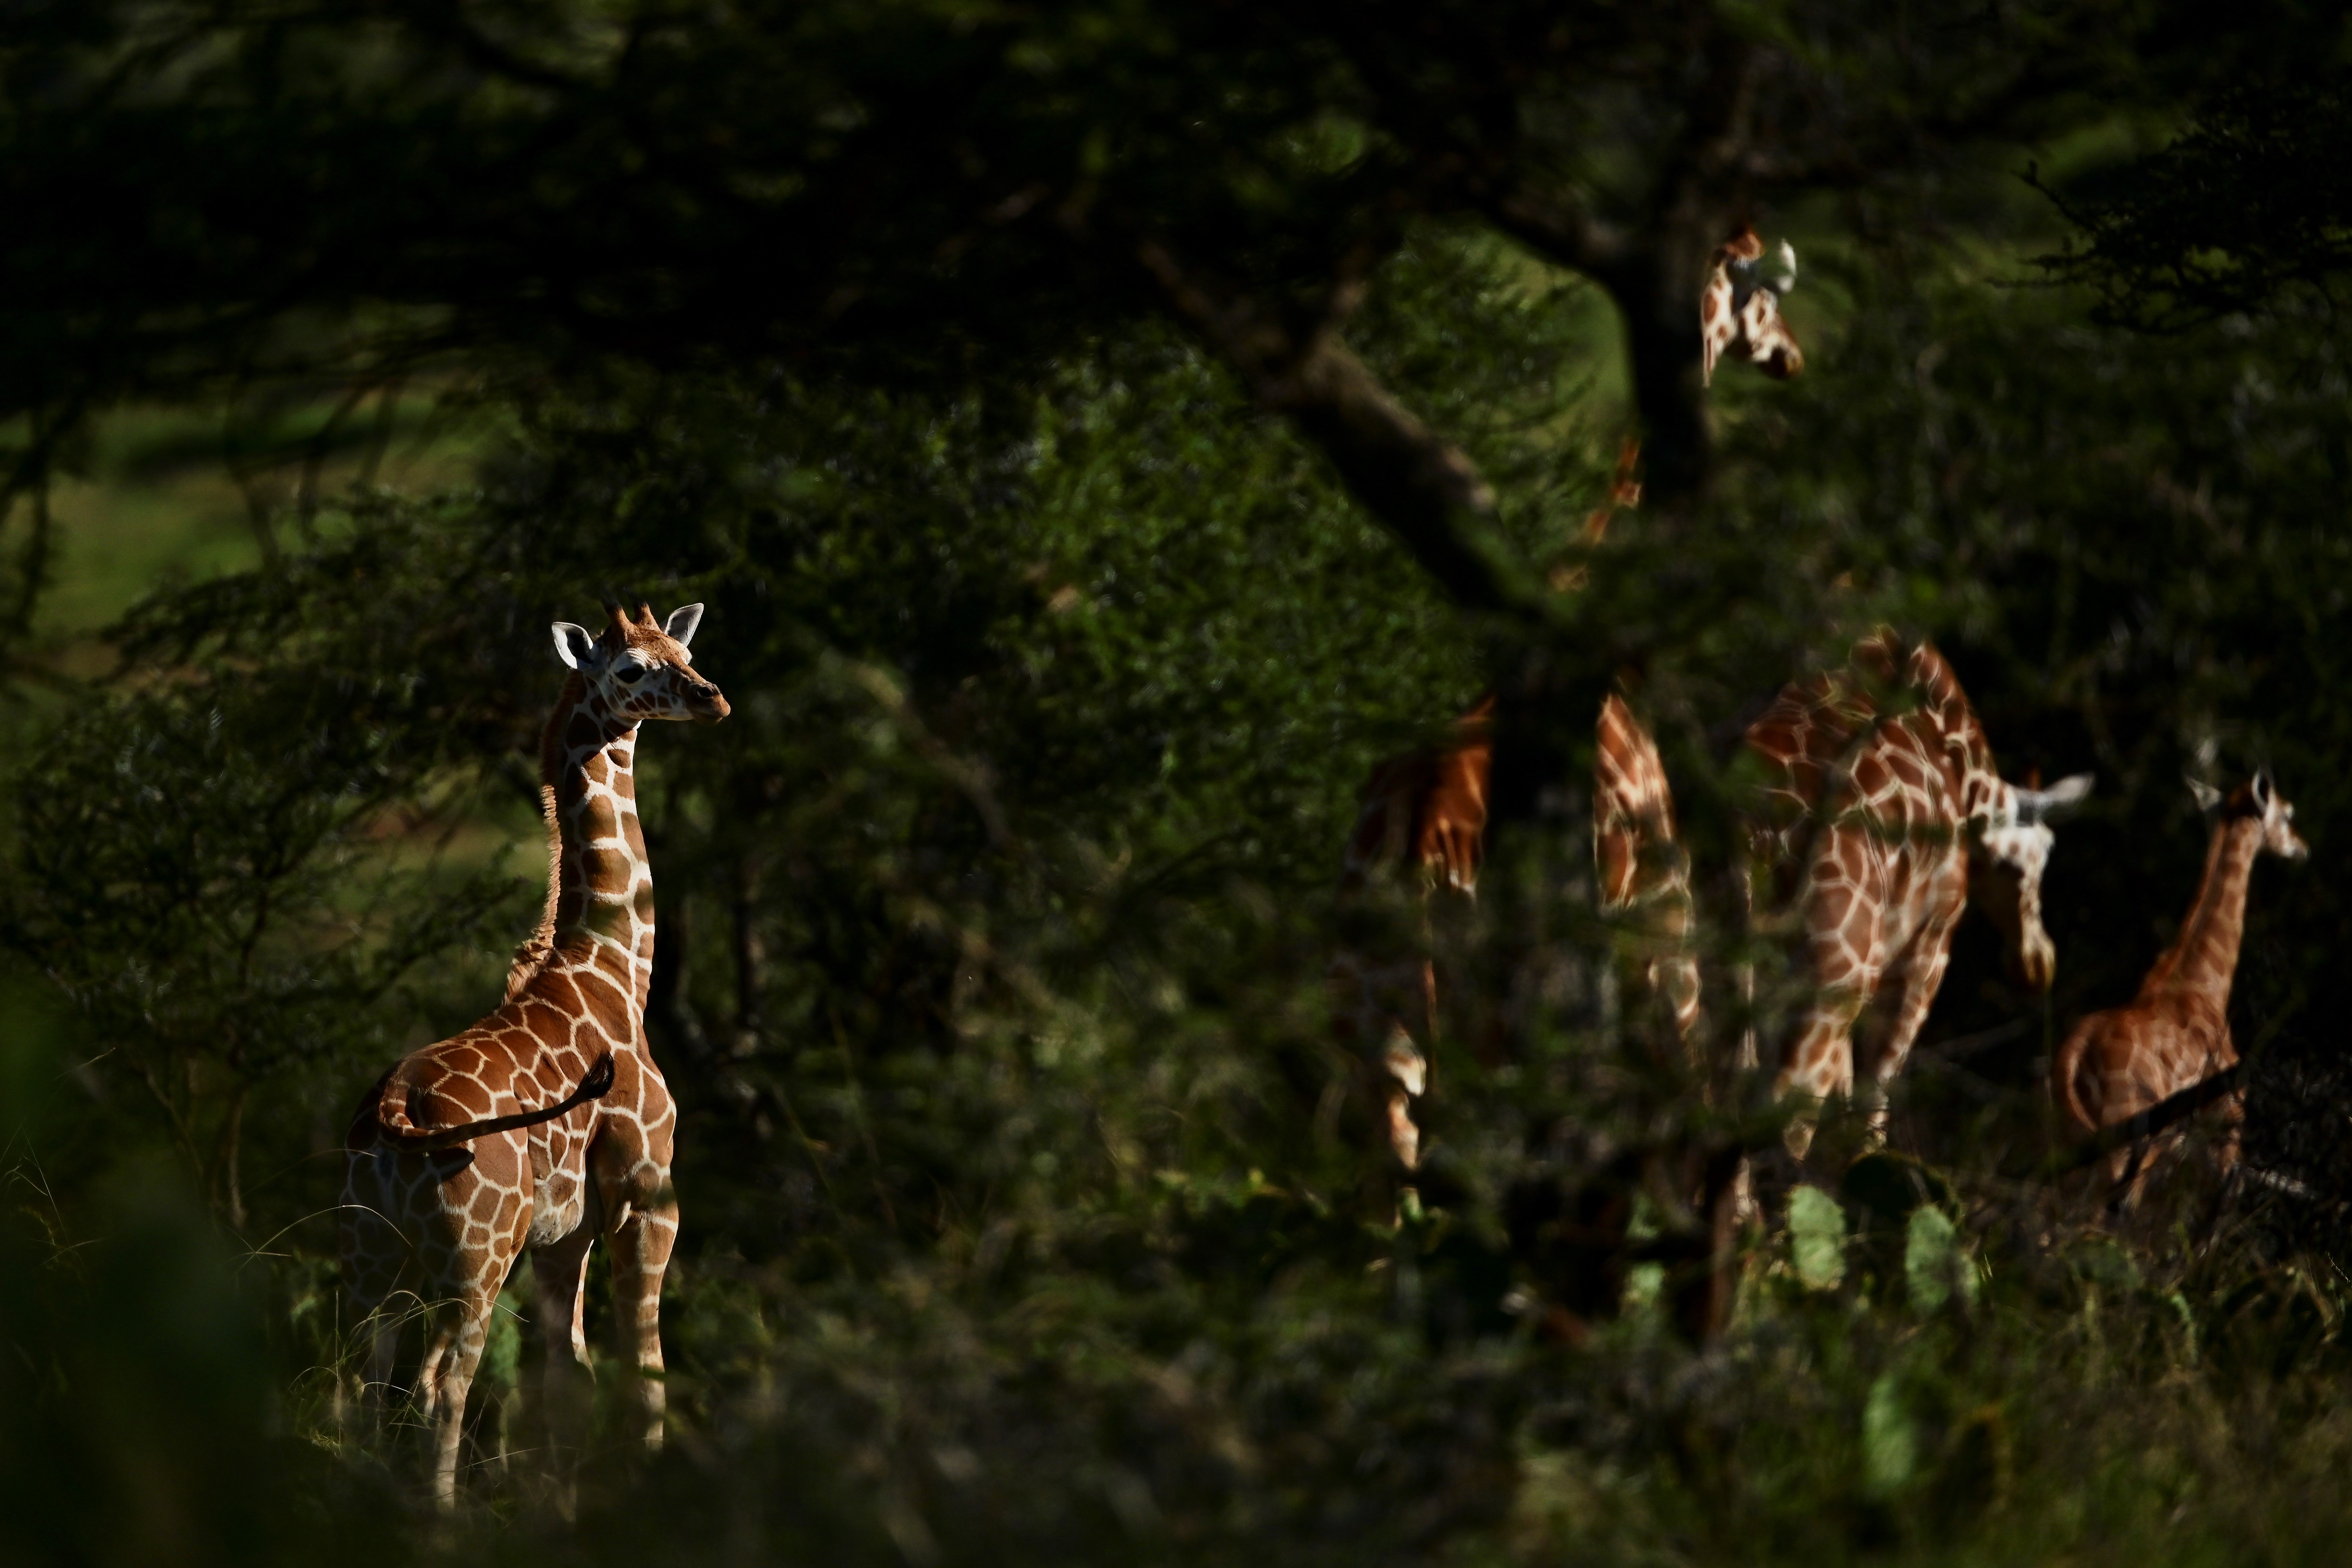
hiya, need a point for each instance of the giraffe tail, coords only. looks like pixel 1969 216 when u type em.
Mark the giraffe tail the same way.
pixel 393 1126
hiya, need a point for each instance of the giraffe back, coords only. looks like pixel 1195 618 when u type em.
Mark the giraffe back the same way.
pixel 1891 740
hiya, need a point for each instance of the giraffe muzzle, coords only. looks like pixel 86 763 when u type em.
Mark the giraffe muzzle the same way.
pixel 708 707
pixel 2035 962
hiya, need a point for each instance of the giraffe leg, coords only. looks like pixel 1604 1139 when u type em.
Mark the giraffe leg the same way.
pixel 641 1247
pixel 558 1273
pixel 384 1357
pixel 1915 981
pixel 461 1330
pixel 2219 1057
pixel 2234 1121
pixel 1819 1065
pixel 1844 921
pixel 2129 1168
pixel 375 1257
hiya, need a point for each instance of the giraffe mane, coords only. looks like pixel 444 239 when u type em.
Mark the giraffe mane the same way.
pixel 531 955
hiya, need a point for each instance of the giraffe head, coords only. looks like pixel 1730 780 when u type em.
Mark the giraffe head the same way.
pixel 1739 309
pixel 2009 850
pixel 2258 799
pixel 640 668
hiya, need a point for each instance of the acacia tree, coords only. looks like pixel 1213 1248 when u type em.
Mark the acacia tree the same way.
pixel 213 197
pixel 216 192
pixel 2248 204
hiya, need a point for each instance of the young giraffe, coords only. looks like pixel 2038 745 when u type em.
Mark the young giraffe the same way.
pixel 1881 827
pixel 1739 309
pixel 546 1125
pixel 2176 1031
pixel 1426 810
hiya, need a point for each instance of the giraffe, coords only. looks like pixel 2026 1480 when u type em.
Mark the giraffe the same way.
pixel 2176 1030
pixel 546 1125
pixel 1885 819
pixel 1425 810
pixel 1640 858
pixel 1739 309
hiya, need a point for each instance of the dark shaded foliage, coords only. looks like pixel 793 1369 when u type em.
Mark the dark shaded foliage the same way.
pixel 2251 202
pixel 1014 386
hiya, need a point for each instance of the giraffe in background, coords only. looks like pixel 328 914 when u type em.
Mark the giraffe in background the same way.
pixel 1643 867
pixel 547 1124
pixel 2176 1030
pixel 1739 309
pixel 1885 818
pixel 1424 812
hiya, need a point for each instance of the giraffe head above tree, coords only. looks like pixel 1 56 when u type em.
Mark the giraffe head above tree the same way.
pixel 1739 309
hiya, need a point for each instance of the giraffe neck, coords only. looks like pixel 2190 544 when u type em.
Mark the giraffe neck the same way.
pixel 602 913
pixel 2204 958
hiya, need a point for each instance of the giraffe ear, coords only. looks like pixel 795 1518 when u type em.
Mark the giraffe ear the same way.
pixel 2067 794
pixel 573 646
pixel 2056 804
pixel 2264 791
pixel 682 622
pixel 2206 795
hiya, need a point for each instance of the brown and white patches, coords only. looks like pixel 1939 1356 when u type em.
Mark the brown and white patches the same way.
pixel 2175 1033
pixel 443 1230
pixel 1422 824
pixel 1883 796
pixel 1638 856
pixel 1739 309
pixel 1424 816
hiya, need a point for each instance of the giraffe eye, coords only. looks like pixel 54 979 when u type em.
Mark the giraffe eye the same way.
pixel 634 672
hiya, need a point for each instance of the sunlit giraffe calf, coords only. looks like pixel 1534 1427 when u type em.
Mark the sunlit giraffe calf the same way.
pixel 547 1124
pixel 2176 1031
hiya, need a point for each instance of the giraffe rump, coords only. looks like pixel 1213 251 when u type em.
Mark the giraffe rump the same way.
pixel 393 1125
pixel 1884 817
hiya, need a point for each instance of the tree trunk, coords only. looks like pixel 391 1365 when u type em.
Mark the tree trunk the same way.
pixel 1658 303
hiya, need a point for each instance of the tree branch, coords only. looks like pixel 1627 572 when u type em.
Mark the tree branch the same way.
pixel 1421 486
pixel 1559 228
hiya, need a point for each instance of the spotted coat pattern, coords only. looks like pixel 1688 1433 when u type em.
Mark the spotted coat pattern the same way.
pixel 2176 1030
pixel 1424 816
pixel 1882 792
pixel 1424 812
pixel 436 1206
pixel 1643 869
pixel 1739 309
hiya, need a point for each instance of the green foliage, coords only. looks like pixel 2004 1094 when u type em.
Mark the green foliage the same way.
pixel 1028 1212
pixel 2245 205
